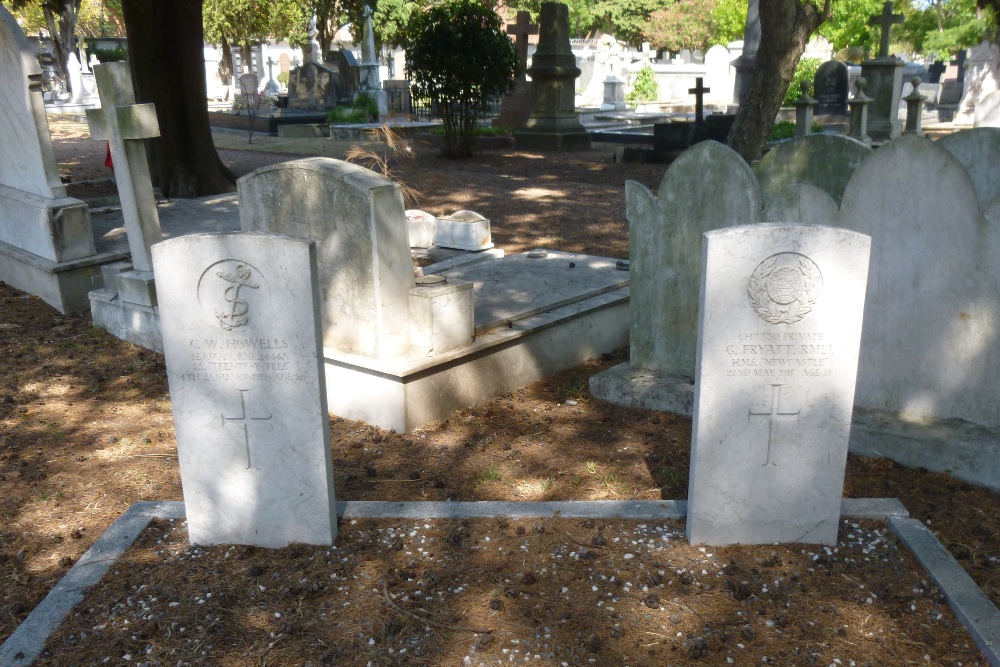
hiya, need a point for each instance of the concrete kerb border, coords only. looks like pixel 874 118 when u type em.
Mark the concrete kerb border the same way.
pixel 972 607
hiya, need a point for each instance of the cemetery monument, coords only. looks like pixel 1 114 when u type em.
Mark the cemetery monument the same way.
pixel 778 336
pixel 884 75
pixel 553 124
pixel 400 353
pixel 46 242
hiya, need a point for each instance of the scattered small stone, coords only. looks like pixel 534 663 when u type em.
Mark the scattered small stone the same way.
pixel 698 649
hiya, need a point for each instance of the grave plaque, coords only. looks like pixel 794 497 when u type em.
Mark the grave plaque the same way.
pixel 240 321
pixel 779 331
pixel 830 88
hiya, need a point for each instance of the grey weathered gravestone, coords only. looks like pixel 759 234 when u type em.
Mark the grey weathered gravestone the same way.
pixel 802 203
pixel 665 262
pixel 240 320
pixel 709 186
pixel 930 347
pixel 358 222
pixel 779 331
pixel 830 88
pixel 124 124
pixel 826 161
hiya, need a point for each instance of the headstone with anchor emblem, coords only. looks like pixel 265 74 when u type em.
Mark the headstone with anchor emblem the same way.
pixel 240 321
pixel 778 337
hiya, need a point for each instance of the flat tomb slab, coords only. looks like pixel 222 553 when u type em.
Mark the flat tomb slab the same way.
pixel 519 286
pixel 532 321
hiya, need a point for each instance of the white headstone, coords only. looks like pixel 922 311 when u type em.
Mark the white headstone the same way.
pixel 357 219
pixel 719 74
pixel 982 76
pixel 75 71
pixel 240 321
pixel 779 332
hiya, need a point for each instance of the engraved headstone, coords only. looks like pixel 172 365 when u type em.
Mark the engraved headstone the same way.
pixel 240 320
pixel 830 88
pixel 779 331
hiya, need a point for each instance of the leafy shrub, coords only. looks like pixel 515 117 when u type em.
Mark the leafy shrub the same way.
pixel 645 88
pixel 805 72
pixel 459 56
pixel 785 129
pixel 116 55
pixel 282 78
pixel 364 109
pixel 480 131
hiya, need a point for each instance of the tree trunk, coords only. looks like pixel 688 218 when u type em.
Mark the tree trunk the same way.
pixel 785 27
pixel 165 49
pixel 226 63
pixel 61 18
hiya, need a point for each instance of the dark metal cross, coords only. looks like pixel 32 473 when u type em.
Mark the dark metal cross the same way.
pixel 885 21
pixel 242 421
pixel 699 91
pixel 521 30
pixel 773 417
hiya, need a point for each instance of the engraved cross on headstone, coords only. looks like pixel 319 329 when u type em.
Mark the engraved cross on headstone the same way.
pixel 773 417
pixel 521 30
pixel 885 21
pixel 124 124
pixel 243 420
pixel 699 91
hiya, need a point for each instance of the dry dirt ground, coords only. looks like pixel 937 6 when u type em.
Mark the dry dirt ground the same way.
pixel 86 430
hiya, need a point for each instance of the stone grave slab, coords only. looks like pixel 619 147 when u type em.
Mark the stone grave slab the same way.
pixel 779 332
pixel 534 282
pixel 533 318
pixel 241 337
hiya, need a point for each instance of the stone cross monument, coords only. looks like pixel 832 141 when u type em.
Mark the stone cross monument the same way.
pixel 124 124
pixel 885 81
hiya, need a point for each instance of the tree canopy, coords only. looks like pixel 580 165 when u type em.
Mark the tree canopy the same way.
pixel 460 82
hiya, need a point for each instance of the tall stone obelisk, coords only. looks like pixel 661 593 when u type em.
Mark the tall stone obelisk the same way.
pixel 553 124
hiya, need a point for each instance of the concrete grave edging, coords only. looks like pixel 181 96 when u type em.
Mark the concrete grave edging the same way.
pixel 971 606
